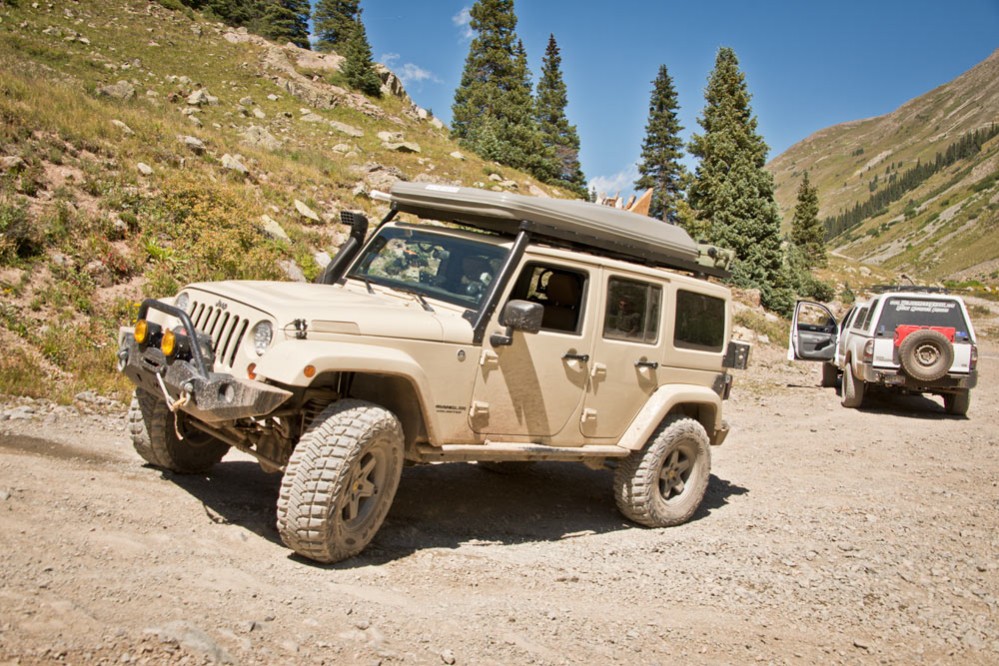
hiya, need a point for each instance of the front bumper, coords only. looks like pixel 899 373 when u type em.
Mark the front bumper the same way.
pixel 215 397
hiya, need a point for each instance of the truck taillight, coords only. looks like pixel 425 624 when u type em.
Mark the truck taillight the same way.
pixel 974 358
pixel 869 351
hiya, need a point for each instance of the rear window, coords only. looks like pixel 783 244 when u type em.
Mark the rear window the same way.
pixel 700 322
pixel 900 310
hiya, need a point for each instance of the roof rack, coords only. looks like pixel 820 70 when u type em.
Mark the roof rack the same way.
pixel 884 288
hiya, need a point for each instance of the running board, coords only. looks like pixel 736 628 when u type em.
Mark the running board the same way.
pixel 506 451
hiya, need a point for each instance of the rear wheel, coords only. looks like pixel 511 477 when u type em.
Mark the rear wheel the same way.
pixel 340 481
pixel 957 403
pixel 154 430
pixel 853 388
pixel 663 484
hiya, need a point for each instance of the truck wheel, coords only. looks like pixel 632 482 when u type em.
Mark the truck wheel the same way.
pixel 154 435
pixel 663 484
pixel 830 373
pixel 957 403
pixel 926 355
pixel 853 388
pixel 340 481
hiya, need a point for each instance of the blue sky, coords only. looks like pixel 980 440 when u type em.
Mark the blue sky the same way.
pixel 807 64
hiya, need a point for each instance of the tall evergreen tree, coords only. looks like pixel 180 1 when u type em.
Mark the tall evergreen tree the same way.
pixel 662 149
pixel 807 232
pixel 558 135
pixel 493 110
pixel 334 22
pixel 286 21
pixel 358 66
pixel 731 192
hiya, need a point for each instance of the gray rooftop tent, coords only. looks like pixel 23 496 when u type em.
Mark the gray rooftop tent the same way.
pixel 580 224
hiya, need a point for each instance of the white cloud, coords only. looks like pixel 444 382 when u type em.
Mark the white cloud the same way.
pixel 463 21
pixel 408 72
pixel 622 181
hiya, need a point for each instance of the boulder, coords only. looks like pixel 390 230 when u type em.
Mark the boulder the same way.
pixel 123 90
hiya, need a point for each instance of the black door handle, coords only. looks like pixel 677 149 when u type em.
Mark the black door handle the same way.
pixel 647 364
pixel 570 356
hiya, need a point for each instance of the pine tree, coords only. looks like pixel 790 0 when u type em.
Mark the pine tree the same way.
pixel 358 66
pixel 662 149
pixel 558 135
pixel 807 233
pixel 334 21
pixel 732 193
pixel 493 111
pixel 286 21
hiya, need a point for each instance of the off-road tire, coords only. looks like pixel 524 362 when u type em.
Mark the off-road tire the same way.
pixel 663 484
pixel 957 403
pixel 340 481
pixel 830 373
pixel 926 355
pixel 853 389
pixel 153 428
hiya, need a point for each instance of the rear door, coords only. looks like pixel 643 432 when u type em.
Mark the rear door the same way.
pixel 814 333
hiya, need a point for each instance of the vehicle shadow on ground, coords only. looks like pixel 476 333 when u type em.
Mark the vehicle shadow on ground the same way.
pixel 447 505
pixel 911 406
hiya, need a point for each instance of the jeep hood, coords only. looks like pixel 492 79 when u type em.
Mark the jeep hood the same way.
pixel 333 309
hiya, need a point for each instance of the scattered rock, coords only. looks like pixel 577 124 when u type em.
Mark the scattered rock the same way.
pixel 457 155
pixel 193 143
pixel 344 128
pixel 233 163
pixel 390 137
pixel 447 656
pixel 259 137
pixel 292 270
pixel 123 90
pixel 200 97
pixel 306 212
pixel 122 126
pixel 272 228
pixel 403 147
pixel 11 163
pixel 144 169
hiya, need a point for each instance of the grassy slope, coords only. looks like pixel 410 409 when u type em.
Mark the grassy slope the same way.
pixel 85 234
pixel 955 231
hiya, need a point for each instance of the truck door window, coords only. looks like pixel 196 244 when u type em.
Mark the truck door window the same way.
pixel 700 322
pixel 559 289
pixel 632 311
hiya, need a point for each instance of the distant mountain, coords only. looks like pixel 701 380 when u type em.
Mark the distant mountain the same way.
pixel 915 190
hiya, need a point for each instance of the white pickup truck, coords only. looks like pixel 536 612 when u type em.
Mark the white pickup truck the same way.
pixel 910 340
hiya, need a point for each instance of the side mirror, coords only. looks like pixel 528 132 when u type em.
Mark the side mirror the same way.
pixel 518 316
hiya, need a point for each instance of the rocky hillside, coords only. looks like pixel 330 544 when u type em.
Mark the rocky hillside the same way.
pixel 944 228
pixel 142 148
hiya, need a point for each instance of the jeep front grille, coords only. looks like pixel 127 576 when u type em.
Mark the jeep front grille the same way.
pixel 225 328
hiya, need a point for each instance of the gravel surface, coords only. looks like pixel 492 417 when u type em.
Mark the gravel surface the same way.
pixel 827 535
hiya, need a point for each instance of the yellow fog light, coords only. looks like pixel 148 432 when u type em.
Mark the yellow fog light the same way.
pixel 169 343
pixel 141 331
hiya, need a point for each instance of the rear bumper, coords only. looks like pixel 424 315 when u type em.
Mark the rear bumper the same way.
pixel 214 397
pixel 893 378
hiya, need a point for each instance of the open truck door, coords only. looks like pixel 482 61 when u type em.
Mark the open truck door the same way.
pixel 814 333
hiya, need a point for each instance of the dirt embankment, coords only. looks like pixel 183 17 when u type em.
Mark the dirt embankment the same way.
pixel 827 536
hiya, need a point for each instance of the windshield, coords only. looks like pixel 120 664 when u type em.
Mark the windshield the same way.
pixel 434 265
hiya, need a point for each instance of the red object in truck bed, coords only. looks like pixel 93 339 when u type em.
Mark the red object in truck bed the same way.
pixel 902 332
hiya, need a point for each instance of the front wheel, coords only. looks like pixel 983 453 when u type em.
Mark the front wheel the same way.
pixel 340 481
pixel 167 440
pixel 663 484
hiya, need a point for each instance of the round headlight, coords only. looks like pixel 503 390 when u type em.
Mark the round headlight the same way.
pixel 182 301
pixel 263 333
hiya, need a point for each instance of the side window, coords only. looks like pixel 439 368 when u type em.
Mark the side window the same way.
pixel 870 315
pixel 858 321
pixel 632 311
pixel 847 320
pixel 561 290
pixel 700 322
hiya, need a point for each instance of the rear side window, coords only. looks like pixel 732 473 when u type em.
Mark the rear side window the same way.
pixel 700 322
pixel 900 310
pixel 632 311
pixel 858 322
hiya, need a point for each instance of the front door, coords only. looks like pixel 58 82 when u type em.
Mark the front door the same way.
pixel 530 389
pixel 813 334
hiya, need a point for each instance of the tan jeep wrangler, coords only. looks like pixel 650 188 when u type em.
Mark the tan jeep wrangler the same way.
pixel 524 329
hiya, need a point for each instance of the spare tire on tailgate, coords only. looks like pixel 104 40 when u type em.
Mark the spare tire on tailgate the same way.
pixel 926 355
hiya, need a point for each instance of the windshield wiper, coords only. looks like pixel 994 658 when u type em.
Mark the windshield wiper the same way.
pixel 415 294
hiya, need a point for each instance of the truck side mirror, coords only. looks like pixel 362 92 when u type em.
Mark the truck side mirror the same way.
pixel 518 315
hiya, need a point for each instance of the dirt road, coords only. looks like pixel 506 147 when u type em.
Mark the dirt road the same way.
pixel 827 536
